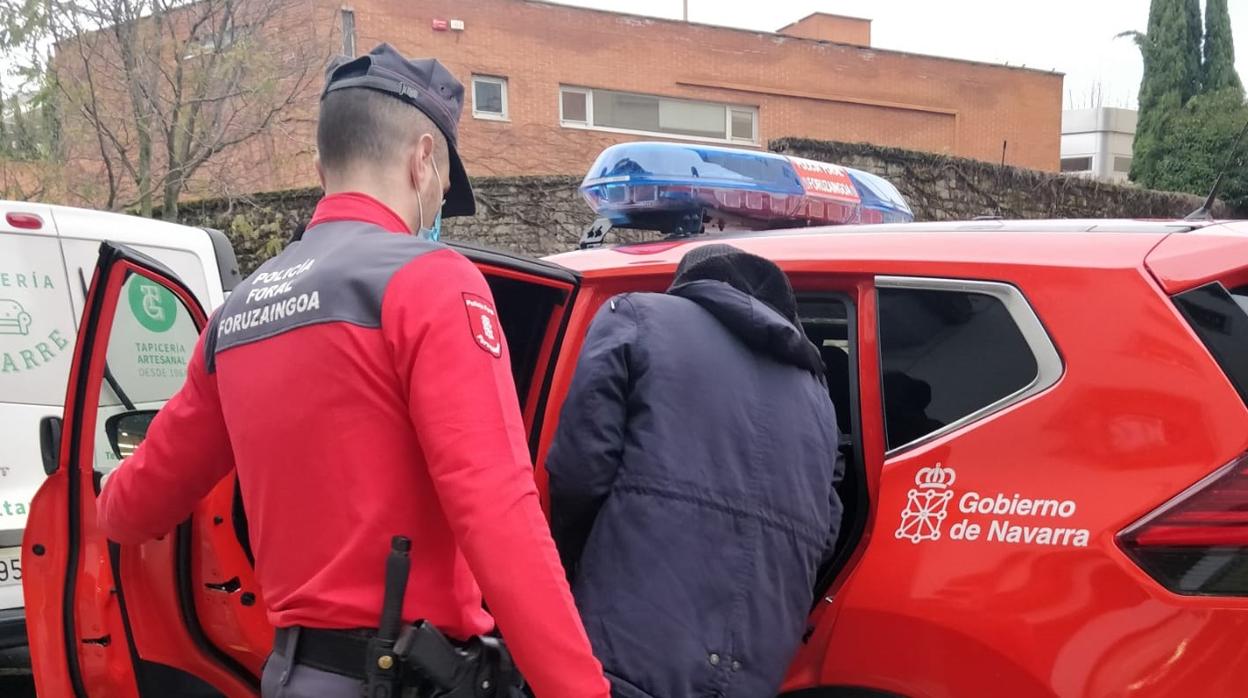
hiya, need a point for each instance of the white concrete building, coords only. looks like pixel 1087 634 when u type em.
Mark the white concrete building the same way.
pixel 1097 142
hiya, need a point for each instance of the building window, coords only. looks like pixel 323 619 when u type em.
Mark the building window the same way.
pixel 574 106
pixel 743 123
pixel 489 97
pixel 1122 164
pixel 649 114
pixel 348 33
pixel 216 40
pixel 953 352
pixel 1077 164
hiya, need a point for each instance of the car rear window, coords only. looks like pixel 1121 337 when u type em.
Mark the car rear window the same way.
pixel 947 355
pixel 1220 318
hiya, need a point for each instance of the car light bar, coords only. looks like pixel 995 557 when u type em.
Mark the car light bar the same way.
pixel 1198 542
pixel 677 188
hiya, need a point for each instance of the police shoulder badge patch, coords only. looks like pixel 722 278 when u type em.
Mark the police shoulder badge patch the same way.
pixel 483 324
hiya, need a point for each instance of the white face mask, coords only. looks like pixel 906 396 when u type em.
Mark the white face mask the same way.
pixel 434 232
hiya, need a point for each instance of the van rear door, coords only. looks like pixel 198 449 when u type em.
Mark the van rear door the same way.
pixel 36 329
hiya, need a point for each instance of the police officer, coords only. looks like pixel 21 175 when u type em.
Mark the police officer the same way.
pixel 360 384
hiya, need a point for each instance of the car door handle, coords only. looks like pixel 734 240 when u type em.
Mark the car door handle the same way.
pixel 229 586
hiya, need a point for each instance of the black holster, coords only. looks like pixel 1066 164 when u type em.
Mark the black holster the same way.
pixel 420 662
pixel 436 667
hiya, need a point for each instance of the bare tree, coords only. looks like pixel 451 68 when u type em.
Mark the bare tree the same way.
pixel 151 91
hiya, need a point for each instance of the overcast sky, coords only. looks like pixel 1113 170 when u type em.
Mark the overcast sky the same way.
pixel 1075 37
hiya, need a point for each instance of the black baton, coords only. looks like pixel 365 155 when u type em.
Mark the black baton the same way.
pixel 382 670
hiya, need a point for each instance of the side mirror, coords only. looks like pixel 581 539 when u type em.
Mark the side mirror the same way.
pixel 50 443
pixel 127 430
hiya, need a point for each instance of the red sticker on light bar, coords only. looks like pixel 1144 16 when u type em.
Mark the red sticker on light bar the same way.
pixel 825 180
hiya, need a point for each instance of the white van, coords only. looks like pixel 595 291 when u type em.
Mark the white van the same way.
pixel 47 259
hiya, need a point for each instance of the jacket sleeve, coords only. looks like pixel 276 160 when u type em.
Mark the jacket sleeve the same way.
pixel 185 453
pixel 589 445
pixel 451 357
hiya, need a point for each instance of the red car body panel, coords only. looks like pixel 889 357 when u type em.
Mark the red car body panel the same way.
pixel 1139 412
pixel 1202 256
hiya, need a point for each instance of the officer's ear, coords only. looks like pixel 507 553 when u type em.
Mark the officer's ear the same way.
pixel 320 170
pixel 420 159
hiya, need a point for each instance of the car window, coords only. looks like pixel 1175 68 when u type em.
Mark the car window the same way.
pixel 829 323
pixel 1220 319
pixel 149 346
pixel 946 355
pixel 36 320
pixel 524 310
pixel 826 323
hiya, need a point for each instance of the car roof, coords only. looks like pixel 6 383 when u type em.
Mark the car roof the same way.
pixel 905 246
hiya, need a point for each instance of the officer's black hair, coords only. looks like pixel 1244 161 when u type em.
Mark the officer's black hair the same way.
pixel 359 126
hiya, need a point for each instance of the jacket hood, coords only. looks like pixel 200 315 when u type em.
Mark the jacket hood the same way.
pixel 759 325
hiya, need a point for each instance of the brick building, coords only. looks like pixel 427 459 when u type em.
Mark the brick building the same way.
pixel 551 85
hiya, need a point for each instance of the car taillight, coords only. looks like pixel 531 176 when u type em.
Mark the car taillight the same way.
pixel 1197 543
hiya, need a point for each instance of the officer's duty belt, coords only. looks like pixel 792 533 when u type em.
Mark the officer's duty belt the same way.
pixel 342 652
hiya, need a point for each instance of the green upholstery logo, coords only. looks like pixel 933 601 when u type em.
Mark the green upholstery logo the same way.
pixel 152 304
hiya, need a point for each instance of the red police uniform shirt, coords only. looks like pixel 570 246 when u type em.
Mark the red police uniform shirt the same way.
pixel 360 384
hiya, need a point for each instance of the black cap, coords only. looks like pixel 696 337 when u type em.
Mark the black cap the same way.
pixel 750 274
pixel 425 84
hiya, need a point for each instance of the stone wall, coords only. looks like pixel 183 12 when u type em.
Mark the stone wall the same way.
pixel 531 215
pixel 543 215
pixel 940 187
pixel 259 226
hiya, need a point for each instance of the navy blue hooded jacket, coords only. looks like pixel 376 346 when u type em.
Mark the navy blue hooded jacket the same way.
pixel 692 490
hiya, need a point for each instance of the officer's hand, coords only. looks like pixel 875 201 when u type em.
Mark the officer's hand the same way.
pixel 98 479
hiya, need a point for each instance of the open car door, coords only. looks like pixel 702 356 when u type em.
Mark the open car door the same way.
pixel 183 615
pixel 534 299
pixel 176 616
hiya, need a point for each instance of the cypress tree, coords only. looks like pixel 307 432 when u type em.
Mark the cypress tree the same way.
pixel 50 126
pixel 23 139
pixel 1172 71
pixel 6 144
pixel 1192 44
pixel 51 110
pixel 1219 67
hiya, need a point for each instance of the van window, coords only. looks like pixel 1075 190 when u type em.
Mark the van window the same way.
pixel 36 320
pixel 149 347
pixel 81 256
pixel 946 355
pixel 187 266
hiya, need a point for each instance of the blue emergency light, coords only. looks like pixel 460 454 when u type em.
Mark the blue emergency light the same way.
pixel 679 189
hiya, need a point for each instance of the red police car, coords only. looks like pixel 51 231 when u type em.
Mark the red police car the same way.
pixel 1045 424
